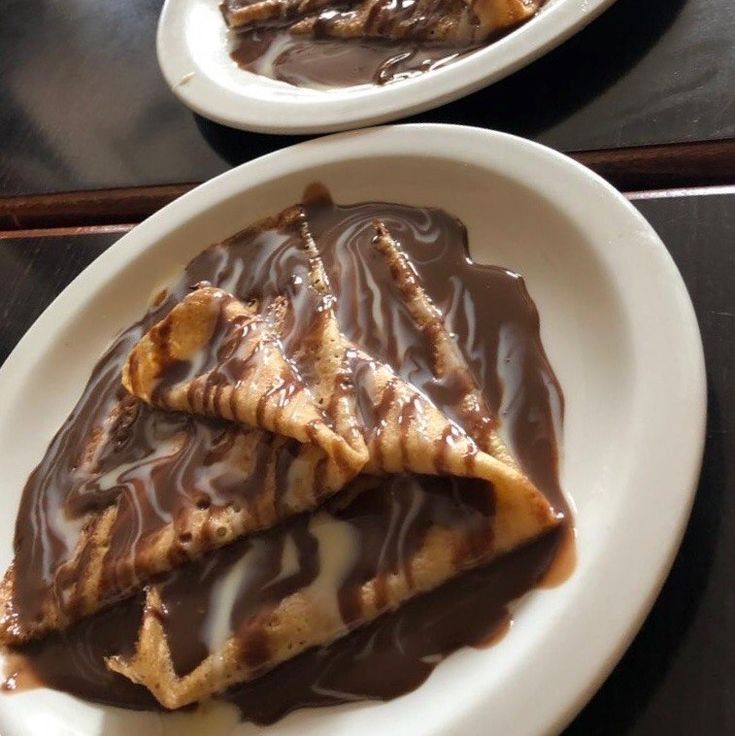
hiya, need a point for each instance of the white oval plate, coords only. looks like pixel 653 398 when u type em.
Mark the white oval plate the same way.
pixel 621 335
pixel 193 51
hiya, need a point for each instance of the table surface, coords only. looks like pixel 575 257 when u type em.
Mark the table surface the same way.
pixel 643 73
pixel 678 677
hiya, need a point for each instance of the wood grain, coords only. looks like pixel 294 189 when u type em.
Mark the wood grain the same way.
pixel 628 169
pixel 59 232
pixel 35 270
pixel 78 209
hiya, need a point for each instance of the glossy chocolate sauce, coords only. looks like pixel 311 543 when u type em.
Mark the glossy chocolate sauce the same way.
pixel 396 653
pixel 154 465
pixel 325 44
pixel 382 522
pixel 497 326
pixel 329 63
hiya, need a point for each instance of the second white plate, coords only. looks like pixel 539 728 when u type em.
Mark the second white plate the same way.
pixel 193 51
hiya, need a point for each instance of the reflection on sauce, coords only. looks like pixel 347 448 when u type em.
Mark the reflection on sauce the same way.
pixel 329 63
pixel 18 676
pixel 497 326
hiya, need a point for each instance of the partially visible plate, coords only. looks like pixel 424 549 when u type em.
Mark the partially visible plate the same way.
pixel 193 51
pixel 620 332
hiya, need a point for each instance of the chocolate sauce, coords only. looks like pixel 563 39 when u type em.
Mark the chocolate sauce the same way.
pixel 497 327
pixel 396 654
pixel 325 44
pixel 330 63
pixel 73 660
pixel 486 307
pixel 146 461
pixel 386 519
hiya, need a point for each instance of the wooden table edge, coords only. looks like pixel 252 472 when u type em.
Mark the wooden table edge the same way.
pixel 659 168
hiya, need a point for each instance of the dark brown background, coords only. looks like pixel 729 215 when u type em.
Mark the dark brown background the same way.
pixel 83 107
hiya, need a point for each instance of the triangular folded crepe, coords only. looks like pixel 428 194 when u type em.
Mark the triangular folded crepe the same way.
pixel 456 22
pixel 451 21
pixel 404 432
pixel 375 549
pixel 381 541
pixel 244 13
pixel 205 482
pixel 215 356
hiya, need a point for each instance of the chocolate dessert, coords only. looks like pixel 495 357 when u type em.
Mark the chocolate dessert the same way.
pixel 323 43
pixel 310 439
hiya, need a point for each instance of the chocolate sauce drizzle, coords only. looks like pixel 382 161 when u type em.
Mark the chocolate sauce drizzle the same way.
pixel 497 326
pixel 330 63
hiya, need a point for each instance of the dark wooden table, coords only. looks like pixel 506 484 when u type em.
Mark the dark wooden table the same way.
pixel 651 72
pixel 93 142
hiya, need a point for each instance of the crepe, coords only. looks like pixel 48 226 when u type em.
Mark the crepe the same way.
pixel 448 362
pixel 215 356
pixel 244 13
pixel 351 587
pixel 203 483
pixel 404 433
pixel 403 430
pixel 291 412
pixel 445 21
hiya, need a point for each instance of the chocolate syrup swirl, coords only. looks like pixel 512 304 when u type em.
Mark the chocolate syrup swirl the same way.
pixel 161 464
pixel 329 63
pixel 154 465
pixel 391 42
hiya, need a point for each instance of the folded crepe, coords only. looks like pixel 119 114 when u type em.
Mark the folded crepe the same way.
pixel 405 433
pixel 402 429
pixel 318 577
pixel 205 482
pixel 215 356
pixel 448 362
pixel 325 411
pixel 448 21
pixel 244 13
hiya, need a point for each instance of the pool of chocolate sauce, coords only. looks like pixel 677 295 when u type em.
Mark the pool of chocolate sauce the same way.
pixel 325 63
pixel 497 326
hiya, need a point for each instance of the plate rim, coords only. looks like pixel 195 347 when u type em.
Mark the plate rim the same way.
pixel 332 111
pixel 390 139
